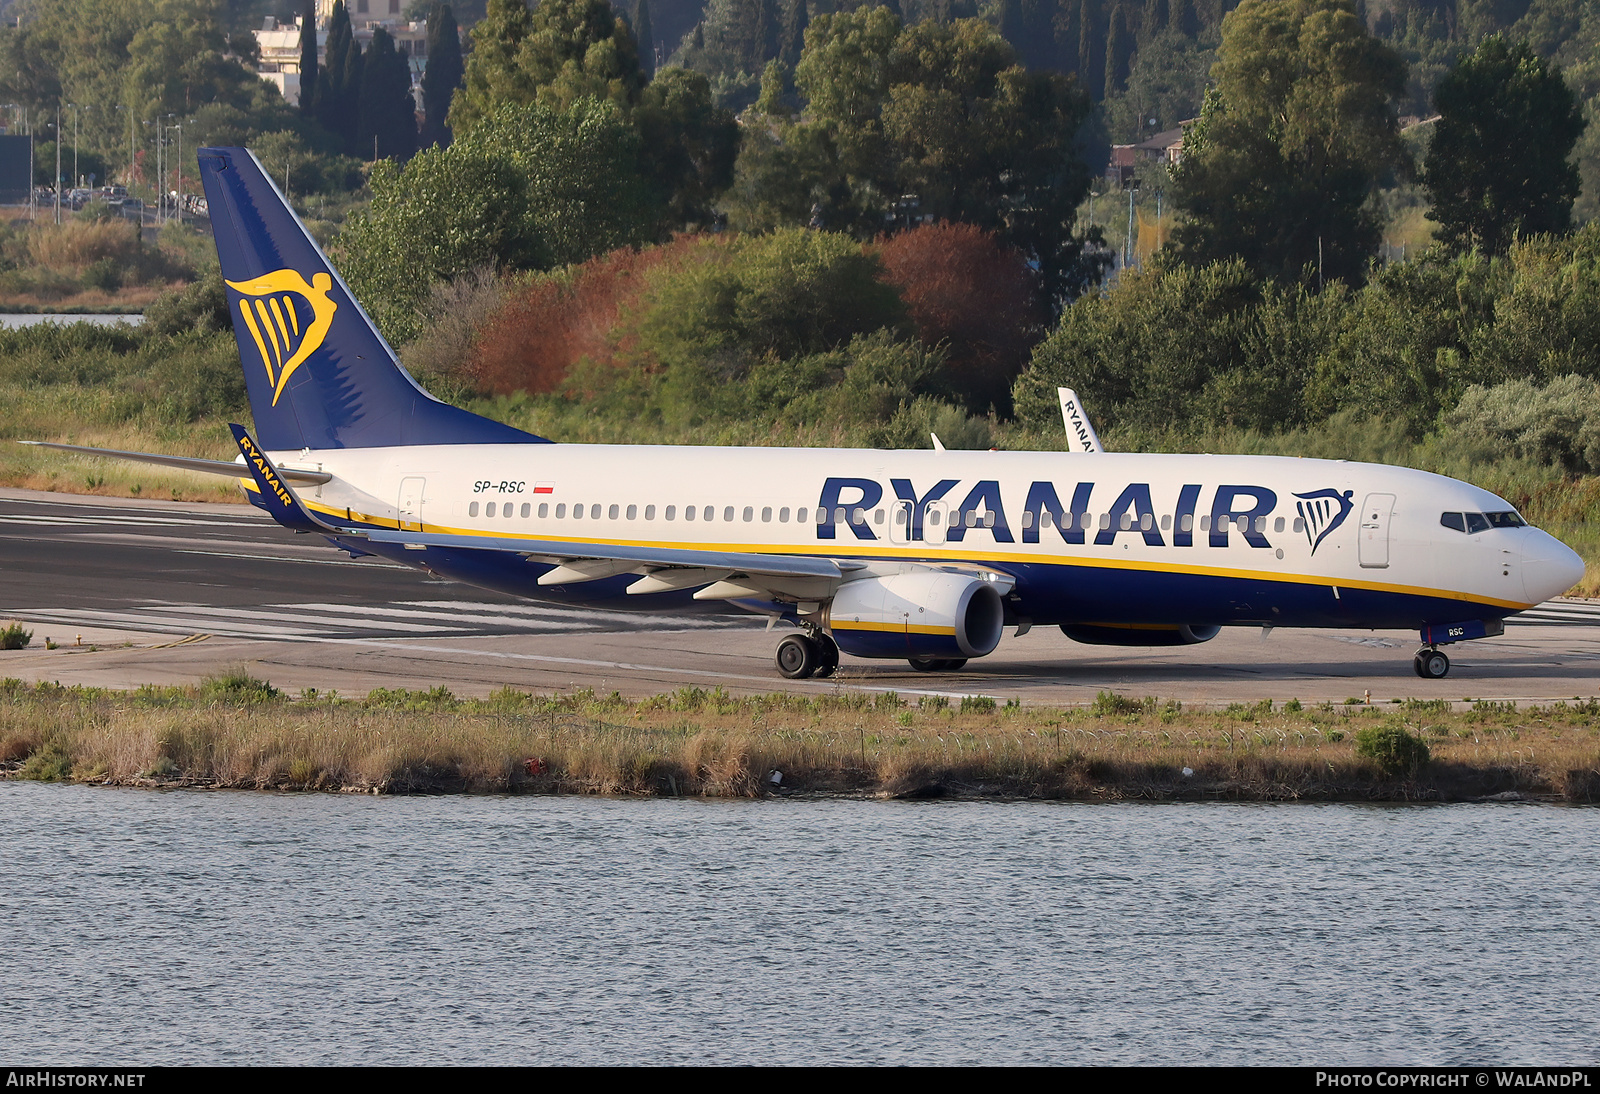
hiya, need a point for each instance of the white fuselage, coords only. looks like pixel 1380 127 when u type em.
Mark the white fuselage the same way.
pixel 1250 521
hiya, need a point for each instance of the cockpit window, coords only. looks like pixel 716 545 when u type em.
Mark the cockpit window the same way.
pixel 1472 523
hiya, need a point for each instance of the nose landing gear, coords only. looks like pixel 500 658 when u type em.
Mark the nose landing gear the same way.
pixel 1431 663
pixel 807 655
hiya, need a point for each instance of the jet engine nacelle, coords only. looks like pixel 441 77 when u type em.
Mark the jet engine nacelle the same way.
pixel 1140 635
pixel 922 614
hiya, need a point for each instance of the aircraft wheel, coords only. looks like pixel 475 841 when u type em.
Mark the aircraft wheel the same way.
pixel 1432 664
pixel 827 658
pixel 798 657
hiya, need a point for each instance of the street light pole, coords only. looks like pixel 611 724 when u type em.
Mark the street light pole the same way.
pixel 58 163
pixel 179 128
pixel 166 162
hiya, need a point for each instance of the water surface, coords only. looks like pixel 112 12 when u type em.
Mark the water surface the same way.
pixel 14 320
pixel 242 927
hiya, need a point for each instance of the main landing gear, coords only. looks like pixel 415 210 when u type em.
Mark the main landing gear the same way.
pixel 1431 663
pixel 807 655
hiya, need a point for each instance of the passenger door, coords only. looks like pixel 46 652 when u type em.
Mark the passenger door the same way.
pixel 1375 513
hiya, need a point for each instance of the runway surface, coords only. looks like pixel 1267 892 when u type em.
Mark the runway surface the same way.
pixel 136 592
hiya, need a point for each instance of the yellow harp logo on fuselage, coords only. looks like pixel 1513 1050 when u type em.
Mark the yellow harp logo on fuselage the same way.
pixel 287 318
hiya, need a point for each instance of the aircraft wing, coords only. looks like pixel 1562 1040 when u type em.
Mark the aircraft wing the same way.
pixel 207 467
pixel 718 575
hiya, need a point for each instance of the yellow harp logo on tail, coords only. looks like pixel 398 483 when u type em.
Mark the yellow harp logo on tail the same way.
pixel 287 318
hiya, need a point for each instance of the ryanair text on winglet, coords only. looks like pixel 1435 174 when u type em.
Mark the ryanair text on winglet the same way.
pixel 265 468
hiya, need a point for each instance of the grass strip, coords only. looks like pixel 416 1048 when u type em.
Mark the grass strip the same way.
pixel 234 731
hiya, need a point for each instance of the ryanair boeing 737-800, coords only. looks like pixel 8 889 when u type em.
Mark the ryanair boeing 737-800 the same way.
pixel 924 556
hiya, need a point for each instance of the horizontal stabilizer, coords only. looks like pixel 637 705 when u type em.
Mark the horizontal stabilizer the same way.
pixel 187 463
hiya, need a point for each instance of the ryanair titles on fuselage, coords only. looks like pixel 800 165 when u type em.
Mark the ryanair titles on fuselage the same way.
pixel 1091 513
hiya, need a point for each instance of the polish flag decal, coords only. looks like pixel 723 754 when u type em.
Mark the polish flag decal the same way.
pixel 544 488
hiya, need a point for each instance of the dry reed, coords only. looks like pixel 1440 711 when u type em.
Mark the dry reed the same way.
pixel 238 732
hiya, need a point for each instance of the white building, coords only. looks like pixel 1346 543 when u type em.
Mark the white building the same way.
pixel 279 43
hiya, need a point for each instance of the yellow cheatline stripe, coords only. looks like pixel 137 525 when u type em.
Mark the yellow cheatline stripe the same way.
pixel 294 316
pixel 896 628
pixel 385 523
pixel 994 561
pixel 255 332
pixel 283 328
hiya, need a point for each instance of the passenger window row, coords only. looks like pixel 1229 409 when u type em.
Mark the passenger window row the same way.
pixel 970 519
pixel 1472 523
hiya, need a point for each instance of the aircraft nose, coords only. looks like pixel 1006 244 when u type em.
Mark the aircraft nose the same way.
pixel 1549 567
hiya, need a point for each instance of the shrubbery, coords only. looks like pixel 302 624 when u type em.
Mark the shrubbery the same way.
pixel 1213 346
pixel 1394 750
pixel 1557 424
pixel 802 333
pixel 52 262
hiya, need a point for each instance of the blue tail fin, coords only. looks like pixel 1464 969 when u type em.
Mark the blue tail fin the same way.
pixel 318 372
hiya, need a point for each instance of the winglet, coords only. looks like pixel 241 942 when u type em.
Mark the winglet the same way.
pixel 1081 436
pixel 277 497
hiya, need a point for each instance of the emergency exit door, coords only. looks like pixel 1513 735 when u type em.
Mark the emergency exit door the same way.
pixel 411 491
pixel 1375 513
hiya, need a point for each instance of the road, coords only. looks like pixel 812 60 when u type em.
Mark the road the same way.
pixel 136 592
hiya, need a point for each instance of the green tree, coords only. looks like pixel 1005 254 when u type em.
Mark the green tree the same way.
pixel 688 146
pixel 733 42
pixel 563 51
pixel 1498 164
pixel 355 65
pixel 442 76
pixel 570 50
pixel 581 49
pixel 336 110
pixel 940 111
pixel 526 188
pixel 1291 143
pixel 644 33
pixel 308 59
pixel 388 118
pixel 492 73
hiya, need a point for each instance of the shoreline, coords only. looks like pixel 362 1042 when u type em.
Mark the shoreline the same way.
pixel 234 732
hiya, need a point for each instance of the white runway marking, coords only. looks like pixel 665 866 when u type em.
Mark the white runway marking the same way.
pixel 416 618
pixel 1560 613
pixel 143 522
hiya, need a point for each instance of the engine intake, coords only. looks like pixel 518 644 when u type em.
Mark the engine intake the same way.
pixel 922 614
